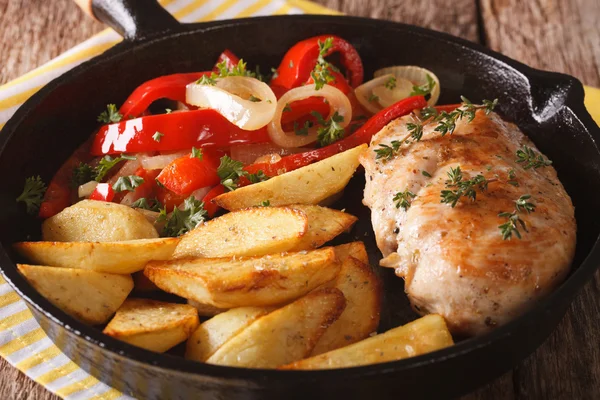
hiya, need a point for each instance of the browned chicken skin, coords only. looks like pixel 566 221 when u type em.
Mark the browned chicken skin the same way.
pixel 454 260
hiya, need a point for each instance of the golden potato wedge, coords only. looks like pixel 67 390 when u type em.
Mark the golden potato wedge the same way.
pixel 324 224
pixel 212 334
pixel 89 296
pixel 153 325
pixel 364 294
pixel 283 336
pixel 239 282
pixel 97 221
pixel 141 284
pixel 251 232
pixel 123 257
pixel 422 336
pixel 204 310
pixel 307 185
pixel 354 249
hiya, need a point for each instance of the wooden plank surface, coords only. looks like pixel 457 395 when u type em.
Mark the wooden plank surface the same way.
pixel 557 35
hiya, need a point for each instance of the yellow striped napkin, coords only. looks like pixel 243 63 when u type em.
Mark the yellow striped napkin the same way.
pixel 22 342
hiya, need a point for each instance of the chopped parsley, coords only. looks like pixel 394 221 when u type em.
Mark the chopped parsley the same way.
pixel 127 183
pixel 151 205
pixel 107 163
pixel 321 74
pixel 33 193
pixel 391 83
pixel 110 115
pixel 82 173
pixel 230 171
pixel 330 130
pixel 182 221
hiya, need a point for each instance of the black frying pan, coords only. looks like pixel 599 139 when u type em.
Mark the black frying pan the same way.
pixel 547 106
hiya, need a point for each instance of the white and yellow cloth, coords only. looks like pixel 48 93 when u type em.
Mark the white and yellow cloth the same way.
pixel 22 342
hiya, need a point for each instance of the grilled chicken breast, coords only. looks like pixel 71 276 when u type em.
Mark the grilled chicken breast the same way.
pixel 454 260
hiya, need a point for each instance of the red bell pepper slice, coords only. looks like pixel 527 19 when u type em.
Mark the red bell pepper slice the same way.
pixel 148 187
pixel 301 108
pixel 170 87
pixel 180 131
pixel 186 174
pixel 209 206
pixel 168 199
pixel 103 192
pixel 361 136
pixel 300 60
pixel 230 59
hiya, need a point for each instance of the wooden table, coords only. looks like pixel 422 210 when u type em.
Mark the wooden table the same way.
pixel 558 35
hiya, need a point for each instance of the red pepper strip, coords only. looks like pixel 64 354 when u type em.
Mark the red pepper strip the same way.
pixel 300 60
pixel 362 135
pixel 180 131
pixel 58 195
pixel 447 107
pixel 209 206
pixel 304 107
pixel 148 188
pixel 231 60
pixel 169 199
pixel 186 174
pixel 103 192
pixel 170 87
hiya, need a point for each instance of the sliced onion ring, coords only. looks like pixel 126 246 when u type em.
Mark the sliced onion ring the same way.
pixel 160 161
pixel 417 75
pixel 387 97
pixel 365 91
pixel 228 98
pixel 337 100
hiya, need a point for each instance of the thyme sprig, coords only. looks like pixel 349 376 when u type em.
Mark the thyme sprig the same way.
pixel 404 199
pixel 531 159
pixel 462 188
pixel 514 221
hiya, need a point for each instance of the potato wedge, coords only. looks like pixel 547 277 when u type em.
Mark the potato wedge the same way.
pixel 363 293
pixel 97 221
pixel 307 185
pixel 324 224
pixel 204 310
pixel 123 257
pixel 153 325
pixel 240 282
pixel 250 232
pixel 89 296
pixel 422 336
pixel 354 249
pixel 283 336
pixel 212 334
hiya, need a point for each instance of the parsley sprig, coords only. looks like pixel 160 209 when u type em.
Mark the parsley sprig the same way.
pixel 82 173
pixel 404 199
pixel 107 163
pixel 184 220
pixel 531 159
pixel 33 193
pixel 110 115
pixel 230 171
pixel 127 183
pixel 151 205
pixel 511 226
pixel 461 187
pixel 321 74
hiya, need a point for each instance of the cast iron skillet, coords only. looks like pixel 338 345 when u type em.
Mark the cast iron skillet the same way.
pixel 547 106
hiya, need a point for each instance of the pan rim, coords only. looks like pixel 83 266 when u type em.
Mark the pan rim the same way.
pixel 563 294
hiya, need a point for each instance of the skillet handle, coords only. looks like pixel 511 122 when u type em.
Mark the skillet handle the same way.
pixel 132 19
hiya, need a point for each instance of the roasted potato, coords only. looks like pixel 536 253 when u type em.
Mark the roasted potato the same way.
pixel 89 296
pixel 114 257
pixel 250 232
pixel 239 282
pixel 283 336
pixel 307 185
pixel 363 293
pixel 97 221
pixel 354 249
pixel 204 310
pixel 153 325
pixel 213 333
pixel 324 224
pixel 422 336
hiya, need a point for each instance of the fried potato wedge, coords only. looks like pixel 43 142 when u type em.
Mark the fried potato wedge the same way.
pixel 307 185
pixel 97 221
pixel 283 336
pixel 204 310
pixel 422 336
pixel 251 232
pixel 153 325
pixel 239 282
pixel 364 294
pixel 114 257
pixel 353 249
pixel 89 296
pixel 324 224
pixel 212 334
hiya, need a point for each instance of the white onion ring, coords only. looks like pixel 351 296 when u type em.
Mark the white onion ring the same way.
pixel 86 189
pixel 227 97
pixel 387 96
pixel 337 100
pixel 364 92
pixel 161 161
pixel 415 74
